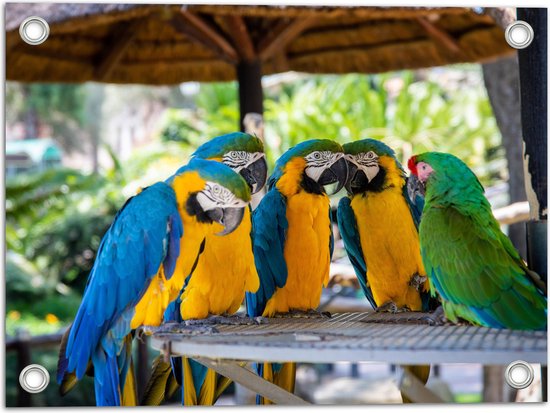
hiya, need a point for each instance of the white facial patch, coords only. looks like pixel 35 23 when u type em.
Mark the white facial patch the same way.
pixel 215 195
pixel 238 160
pixel 368 163
pixel 319 161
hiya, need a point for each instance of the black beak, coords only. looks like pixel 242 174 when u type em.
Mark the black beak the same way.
pixel 230 218
pixel 357 179
pixel 352 170
pixel 255 175
pixel 415 188
pixel 338 172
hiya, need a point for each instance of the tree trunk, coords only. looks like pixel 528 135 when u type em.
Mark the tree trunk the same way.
pixel 502 83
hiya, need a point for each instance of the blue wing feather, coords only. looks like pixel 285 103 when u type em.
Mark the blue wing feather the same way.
pixel 140 239
pixel 270 226
pixel 352 243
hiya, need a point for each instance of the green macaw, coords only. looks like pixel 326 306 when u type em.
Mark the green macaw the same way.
pixel 379 226
pixel 471 264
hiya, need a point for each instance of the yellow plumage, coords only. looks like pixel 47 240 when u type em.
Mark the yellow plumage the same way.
pixel 150 309
pixel 224 272
pixel 390 241
pixel 306 251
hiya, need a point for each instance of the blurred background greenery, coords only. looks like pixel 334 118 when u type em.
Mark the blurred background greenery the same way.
pixel 115 139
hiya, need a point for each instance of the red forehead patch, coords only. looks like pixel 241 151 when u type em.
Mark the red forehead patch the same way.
pixel 412 165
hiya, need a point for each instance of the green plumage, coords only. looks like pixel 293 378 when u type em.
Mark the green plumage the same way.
pixel 470 262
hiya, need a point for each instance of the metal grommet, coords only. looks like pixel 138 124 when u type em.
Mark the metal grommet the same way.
pixel 519 374
pixel 34 30
pixel 519 34
pixel 34 378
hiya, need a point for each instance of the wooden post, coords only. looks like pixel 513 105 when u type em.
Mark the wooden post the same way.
pixel 249 75
pixel 533 89
pixel 23 360
pixel 533 68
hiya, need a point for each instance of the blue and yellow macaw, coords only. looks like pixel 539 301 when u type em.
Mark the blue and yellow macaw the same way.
pixel 293 239
pixel 157 234
pixel 379 227
pixel 224 271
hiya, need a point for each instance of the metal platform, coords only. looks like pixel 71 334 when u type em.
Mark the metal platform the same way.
pixel 393 338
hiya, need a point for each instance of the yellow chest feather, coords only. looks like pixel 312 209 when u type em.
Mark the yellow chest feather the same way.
pixel 390 245
pixel 306 254
pixel 224 271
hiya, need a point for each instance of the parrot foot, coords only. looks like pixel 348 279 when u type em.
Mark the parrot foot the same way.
pixel 172 327
pixel 388 307
pixel 235 320
pixel 303 314
pixel 417 280
pixel 437 318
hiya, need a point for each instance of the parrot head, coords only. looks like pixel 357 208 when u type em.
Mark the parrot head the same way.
pixel 223 197
pixel 438 172
pixel 370 164
pixel 319 161
pixel 242 152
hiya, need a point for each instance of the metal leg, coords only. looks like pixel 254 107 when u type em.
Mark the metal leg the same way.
pixel 257 384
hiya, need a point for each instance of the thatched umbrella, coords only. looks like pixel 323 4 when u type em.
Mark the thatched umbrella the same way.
pixel 169 44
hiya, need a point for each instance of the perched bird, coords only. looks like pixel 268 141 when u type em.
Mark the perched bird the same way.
pixel 224 271
pixel 379 226
pixel 471 264
pixel 157 233
pixel 293 238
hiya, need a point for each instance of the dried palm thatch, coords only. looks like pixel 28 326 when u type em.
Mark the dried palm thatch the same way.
pixel 167 44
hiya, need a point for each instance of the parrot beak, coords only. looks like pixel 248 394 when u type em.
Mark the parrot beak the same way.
pixel 415 188
pixel 357 179
pixel 230 218
pixel 338 172
pixel 255 175
pixel 352 171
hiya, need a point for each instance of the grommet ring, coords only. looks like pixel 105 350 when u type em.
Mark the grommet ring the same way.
pixel 519 374
pixel 519 34
pixel 34 378
pixel 34 30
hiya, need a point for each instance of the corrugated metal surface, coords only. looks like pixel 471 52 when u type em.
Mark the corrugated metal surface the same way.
pixel 399 338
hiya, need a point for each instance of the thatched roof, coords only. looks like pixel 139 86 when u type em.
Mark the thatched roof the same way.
pixel 167 44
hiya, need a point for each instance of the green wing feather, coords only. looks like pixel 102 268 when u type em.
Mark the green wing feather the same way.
pixel 477 272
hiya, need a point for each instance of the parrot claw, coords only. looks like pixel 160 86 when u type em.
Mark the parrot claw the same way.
pixel 417 280
pixel 235 320
pixel 172 327
pixel 437 318
pixel 387 307
pixel 304 314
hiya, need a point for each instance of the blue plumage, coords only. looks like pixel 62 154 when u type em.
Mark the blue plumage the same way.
pixel 141 238
pixel 270 225
pixel 217 146
pixel 350 234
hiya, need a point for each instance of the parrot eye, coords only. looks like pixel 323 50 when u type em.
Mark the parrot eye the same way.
pixel 216 189
pixel 370 155
pixel 317 155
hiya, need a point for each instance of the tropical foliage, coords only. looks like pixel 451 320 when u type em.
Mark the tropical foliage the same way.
pixel 55 220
